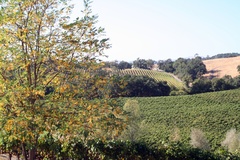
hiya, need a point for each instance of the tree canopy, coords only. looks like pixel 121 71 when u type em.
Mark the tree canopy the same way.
pixel 42 88
pixel 142 63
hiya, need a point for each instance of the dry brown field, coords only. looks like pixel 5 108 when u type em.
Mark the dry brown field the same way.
pixel 222 66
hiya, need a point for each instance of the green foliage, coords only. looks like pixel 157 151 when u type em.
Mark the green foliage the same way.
pixel 189 69
pixel 223 55
pixel 144 86
pixel 178 93
pixel 133 128
pixel 143 64
pixel 124 65
pixel 203 85
pixel 137 86
pixel 97 149
pixel 167 65
pixel 113 65
pixel 214 113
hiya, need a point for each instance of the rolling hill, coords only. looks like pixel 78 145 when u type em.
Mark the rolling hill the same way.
pixel 222 66
pixel 214 113
pixel 171 80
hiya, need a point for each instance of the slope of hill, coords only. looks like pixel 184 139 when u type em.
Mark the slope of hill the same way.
pixel 214 113
pixel 222 66
pixel 171 80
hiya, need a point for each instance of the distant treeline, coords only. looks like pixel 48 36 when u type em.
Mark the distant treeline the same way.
pixel 190 71
pixel 222 55
pixel 203 84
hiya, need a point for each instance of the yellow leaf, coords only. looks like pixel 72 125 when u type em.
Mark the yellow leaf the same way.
pixel 89 107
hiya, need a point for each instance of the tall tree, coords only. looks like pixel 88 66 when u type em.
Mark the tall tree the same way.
pixel 41 88
pixel 124 65
pixel 189 69
pixel 167 65
pixel 140 63
pixel 150 63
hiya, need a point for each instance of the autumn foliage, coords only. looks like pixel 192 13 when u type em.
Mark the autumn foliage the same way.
pixel 48 67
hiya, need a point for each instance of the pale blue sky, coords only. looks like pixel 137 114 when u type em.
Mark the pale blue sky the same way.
pixel 162 29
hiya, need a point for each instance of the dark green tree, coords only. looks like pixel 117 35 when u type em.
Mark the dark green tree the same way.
pixel 236 81
pixel 201 85
pixel 196 68
pixel 124 65
pixel 238 68
pixel 219 84
pixel 189 69
pixel 167 65
pixel 144 86
pixel 150 63
pixel 140 63
pixel 111 64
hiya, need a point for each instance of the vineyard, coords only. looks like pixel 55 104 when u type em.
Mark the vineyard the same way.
pixel 157 75
pixel 213 113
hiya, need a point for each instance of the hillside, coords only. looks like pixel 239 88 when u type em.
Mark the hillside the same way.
pixel 214 113
pixel 222 66
pixel 171 80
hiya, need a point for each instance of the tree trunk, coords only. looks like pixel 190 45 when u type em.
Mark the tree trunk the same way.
pixel 24 152
pixel 10 156
pixel 32 154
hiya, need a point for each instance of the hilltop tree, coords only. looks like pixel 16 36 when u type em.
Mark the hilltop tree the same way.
pixel 196 68
pixel 140 63
pixel 238 68
pixel 124 65
pixel 150 63
pixel 189 69
pixel 42 90
pixel 167 65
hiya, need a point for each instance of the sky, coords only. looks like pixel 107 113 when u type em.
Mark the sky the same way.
pixel 163 29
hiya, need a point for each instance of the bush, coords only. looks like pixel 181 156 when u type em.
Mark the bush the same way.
pixel 232 141
pixel 198 140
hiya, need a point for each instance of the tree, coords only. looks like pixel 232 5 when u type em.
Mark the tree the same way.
pixel 124 65
pixel 150 63
pixel 189 69
pixel 196 68
pixel 238 68
pixel 112 64
pixel 140 63
pixel 167 65
pixel 201 85
pixel 236 82
pixel 132 130
pixel 42 90
pixel 218 84
pixel 144 86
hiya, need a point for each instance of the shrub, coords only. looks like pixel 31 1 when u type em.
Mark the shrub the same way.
pixel 232 141
pixel 198 139
pixel 132 130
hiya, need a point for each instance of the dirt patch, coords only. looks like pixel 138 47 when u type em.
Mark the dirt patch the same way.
pixel 222 66
pixel 6 157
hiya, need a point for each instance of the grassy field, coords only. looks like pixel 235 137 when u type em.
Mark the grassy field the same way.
pixel 214 113
pixel 222 66
pixel 157 75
